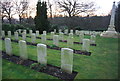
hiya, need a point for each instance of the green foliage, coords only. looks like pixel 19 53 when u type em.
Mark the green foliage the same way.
pixel 52 27
pixel 14 27
pixel 41 21
pixel 10 27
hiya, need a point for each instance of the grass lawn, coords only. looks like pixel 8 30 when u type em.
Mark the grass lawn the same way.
pixel 102 64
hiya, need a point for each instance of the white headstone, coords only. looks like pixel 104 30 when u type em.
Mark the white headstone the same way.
pixel 37 33
pixel 81 36
pixel 24 36
pixel 19 30
pixel 30 32
pixel 70 34
pixel 8 46
pixel 9 34
pixel 52 34
pixel 33 37
pixel 66 31
pixel 42 54
pixel 92 39
pixel 56 40
pixel 25 31
pixel 16 35
pixel 76 32
pixel 23 49
pixel 43 38
pixel 67 60
pixel 44 32
pixel 3 33
pixel 71 31
pixel 54 30
pixel 86 45
pixel 70 42
pixel 61 36
pixel 60 31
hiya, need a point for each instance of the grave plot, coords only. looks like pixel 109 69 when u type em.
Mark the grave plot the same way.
pixel 102 62
pixel 21 57
pixel 49 69
pixel 64 39
pixel 50 44
pixel 84 52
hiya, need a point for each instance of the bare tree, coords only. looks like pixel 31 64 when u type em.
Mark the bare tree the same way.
pixel 7 8
pixel 21 8
pixel 50 8
pixel 73 7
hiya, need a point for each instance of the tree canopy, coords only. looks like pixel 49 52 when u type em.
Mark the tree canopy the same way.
pixel 41 20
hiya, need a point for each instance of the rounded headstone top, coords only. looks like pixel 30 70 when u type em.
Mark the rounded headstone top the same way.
pixel 39 45
pixel 67 49
pixel 86 39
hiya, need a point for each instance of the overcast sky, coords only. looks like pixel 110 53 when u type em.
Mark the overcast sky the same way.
pixel 104 5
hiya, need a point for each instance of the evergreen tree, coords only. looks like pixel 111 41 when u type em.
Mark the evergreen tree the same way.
pixel 41 20
pixel 117 18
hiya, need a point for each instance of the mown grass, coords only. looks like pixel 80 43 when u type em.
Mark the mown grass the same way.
pixel 102 64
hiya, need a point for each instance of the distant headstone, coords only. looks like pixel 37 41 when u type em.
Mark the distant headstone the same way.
pixel 16 35
pixel 66 31
pixel 76 32
pixel 70 42
pixel 86 45
pixel 19 30
pixel 3 33
pixel 9 34
pixel 92 39
pixel 42 53
pixel 81 36
pixel 24 36
pixel 54 30
pixel 60 31
pixel 71 31
pixel 30 32
pixel 43 38
pixel 33 37
pixel 37 33
pixel 67 60
pixel 8 46
pixel 52 34
pixel 70 34
pixel 25 31
pixel 56 40
pixel 61 36
pixel 23 49
pixel 44 32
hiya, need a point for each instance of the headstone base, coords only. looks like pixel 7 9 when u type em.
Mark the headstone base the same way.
pixel 110 33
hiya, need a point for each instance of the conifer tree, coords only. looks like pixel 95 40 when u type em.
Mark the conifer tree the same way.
pixel 41 20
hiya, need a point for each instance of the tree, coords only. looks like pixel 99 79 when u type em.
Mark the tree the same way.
pixel 21 8
pixel 74 8
pixel 7 8
pixel 50 8
pixel 41 20
pixel 117 18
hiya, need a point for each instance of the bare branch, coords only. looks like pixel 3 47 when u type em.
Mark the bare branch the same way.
pixel 73 7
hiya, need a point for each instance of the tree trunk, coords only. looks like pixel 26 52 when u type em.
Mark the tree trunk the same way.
pixel 10 20
pixel 20 19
